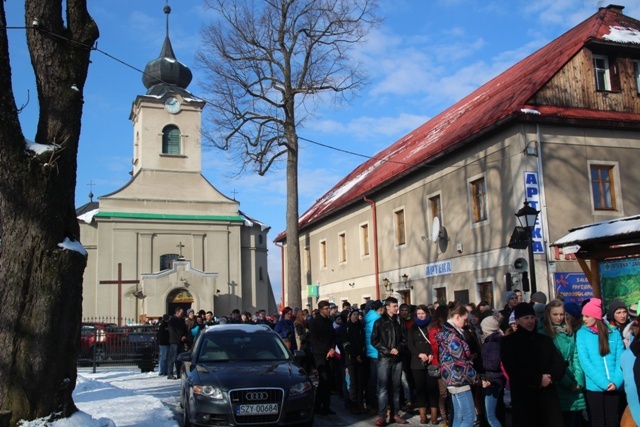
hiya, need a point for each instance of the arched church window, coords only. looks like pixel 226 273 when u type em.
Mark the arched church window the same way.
pixel 166 261
pixel 170 140
pixel 260 239
pixel 260 276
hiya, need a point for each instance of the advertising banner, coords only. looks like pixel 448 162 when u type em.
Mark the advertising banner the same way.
pixel 573 286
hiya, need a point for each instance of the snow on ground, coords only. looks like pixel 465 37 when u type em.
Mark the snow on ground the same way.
pixel 119 397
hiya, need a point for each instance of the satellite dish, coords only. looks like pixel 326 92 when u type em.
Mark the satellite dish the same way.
pixel 435 230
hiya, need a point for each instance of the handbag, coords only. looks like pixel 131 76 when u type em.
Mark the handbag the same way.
pixel 432 370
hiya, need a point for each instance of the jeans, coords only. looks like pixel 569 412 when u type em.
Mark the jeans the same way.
pixel 491 396
pixel 464 411
pixel 171 359
pixel 162 359
pixel 388 370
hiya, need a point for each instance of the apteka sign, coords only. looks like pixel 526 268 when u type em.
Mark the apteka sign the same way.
pixel 532 191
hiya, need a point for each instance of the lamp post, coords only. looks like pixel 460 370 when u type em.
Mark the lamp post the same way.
pixel 527 217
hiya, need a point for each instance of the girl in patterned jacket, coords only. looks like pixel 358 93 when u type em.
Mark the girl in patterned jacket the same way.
pixel 456 366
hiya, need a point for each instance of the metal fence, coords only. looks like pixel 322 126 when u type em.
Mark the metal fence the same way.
pixel 107 344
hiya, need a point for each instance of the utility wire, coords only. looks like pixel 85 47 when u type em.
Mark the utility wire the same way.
pixel 126 64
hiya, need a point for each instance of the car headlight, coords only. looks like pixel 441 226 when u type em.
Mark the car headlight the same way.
pixel 300 388
pixel 208 391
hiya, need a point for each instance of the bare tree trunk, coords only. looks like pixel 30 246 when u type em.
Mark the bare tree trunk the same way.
pixel 40 282
pixel 294 292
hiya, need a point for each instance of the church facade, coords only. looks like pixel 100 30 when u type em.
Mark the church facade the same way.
pixel 169 238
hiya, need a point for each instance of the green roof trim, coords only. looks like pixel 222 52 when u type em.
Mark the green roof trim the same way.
pixel 231 218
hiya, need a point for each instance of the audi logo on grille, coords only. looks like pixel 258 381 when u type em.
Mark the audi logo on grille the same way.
pixel 257 395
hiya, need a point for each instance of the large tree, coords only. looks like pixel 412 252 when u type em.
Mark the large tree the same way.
pixel 41 264
pixel 267 63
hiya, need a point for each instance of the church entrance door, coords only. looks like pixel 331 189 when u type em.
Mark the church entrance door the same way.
pixel 179 298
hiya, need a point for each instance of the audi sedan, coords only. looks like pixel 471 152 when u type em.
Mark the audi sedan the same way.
pixel 244 375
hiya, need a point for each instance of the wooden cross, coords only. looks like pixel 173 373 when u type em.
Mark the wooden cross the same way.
pixel 119 282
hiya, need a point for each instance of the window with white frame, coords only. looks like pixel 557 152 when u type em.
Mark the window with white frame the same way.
pixel 601 70
pixel 170 140
pixel 603 187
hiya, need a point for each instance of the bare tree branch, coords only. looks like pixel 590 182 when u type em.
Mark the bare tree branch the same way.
pixel 262 60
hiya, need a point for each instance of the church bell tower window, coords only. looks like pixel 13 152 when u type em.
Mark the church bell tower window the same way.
pixel 171 140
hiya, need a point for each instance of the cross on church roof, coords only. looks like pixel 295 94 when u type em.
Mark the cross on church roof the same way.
pixel 180 246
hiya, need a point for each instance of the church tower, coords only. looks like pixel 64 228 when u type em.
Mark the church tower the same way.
pixel 171 235
pixel 167 117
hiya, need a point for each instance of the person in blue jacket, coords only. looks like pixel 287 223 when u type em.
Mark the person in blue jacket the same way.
pixel 630 364
pixel 374 313
pixel 599 350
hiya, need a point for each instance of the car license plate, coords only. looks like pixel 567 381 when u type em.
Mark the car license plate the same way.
pixel 259 409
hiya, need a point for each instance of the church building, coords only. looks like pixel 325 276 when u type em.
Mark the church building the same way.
pixel 169 238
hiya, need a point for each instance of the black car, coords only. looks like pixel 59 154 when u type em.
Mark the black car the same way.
pixel 244 375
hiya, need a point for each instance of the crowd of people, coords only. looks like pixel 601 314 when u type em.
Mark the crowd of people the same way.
pixel 550 363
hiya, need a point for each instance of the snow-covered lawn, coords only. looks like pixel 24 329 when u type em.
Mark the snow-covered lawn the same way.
pixel 121 397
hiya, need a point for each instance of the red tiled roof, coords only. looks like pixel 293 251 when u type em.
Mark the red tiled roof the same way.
pixel 501 99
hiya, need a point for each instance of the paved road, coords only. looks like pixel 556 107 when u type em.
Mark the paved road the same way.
pixel 344 418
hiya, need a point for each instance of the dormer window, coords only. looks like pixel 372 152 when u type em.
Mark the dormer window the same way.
pixel 171 140
pixel 601 69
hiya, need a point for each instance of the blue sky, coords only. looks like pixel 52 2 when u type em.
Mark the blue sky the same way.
pixel 425 56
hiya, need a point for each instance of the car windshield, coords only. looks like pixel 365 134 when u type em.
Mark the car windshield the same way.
pixel 243 347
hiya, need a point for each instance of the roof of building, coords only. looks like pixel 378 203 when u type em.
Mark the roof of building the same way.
pixel 620 230
pixel 503 99
pixel 166 70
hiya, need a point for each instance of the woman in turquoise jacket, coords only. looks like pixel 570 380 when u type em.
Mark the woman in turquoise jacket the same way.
pixel 570 388
pixel 599 351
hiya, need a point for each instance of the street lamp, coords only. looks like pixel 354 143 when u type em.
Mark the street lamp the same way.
pixel 527 217
pixel 387 284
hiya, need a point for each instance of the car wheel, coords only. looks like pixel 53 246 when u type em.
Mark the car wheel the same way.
pixel 185 417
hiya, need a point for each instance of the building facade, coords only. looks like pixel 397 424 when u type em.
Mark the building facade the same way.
pixel 430 218
pixel 168 237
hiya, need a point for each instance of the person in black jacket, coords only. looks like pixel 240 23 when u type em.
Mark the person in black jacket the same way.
pixel 426 386
pixel 534 366
pixel 163 344
pixel 356 361
pixel 323 342
pixel 389 339
pixel 177 339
